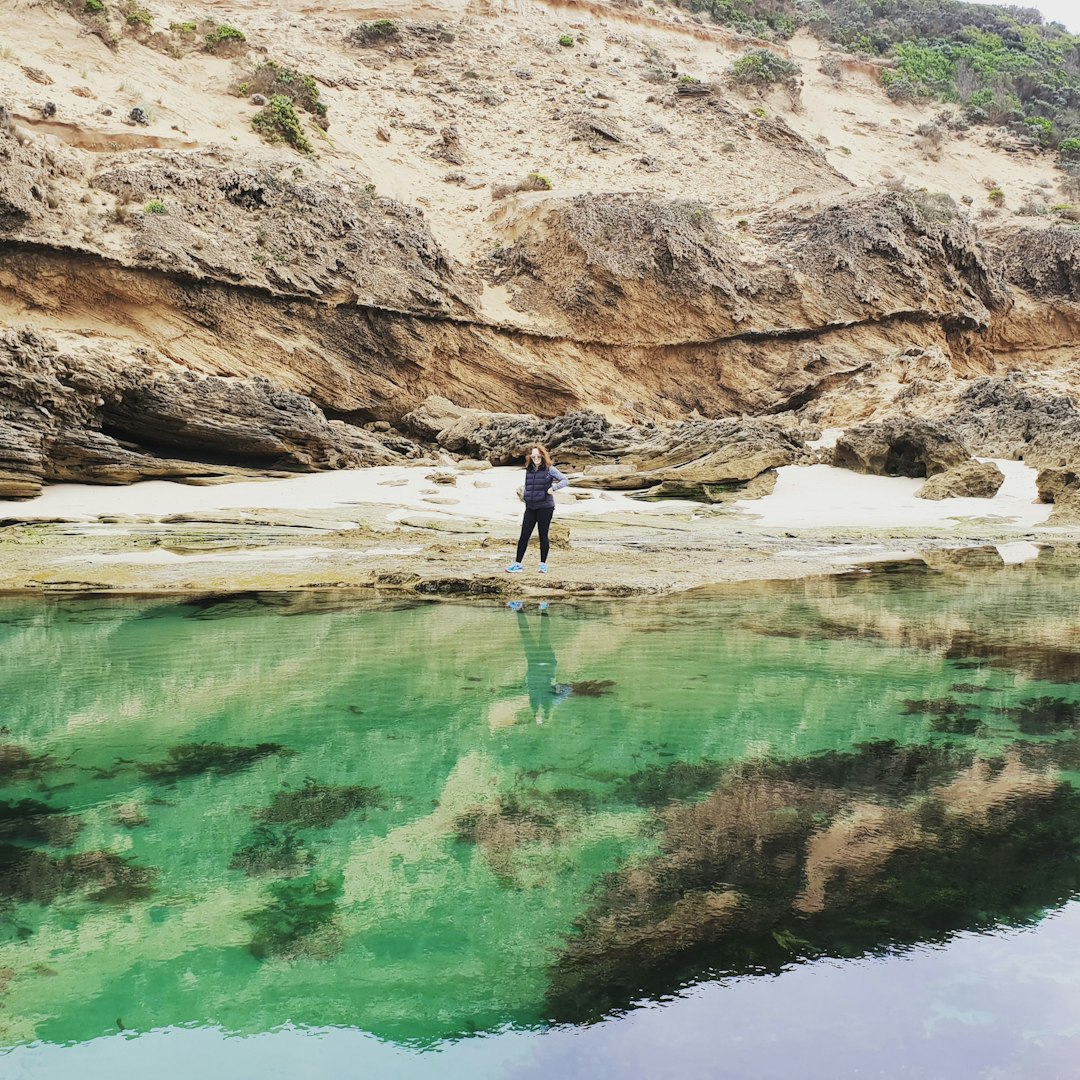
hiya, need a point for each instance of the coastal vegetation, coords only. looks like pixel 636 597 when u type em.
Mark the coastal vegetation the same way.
pixel 1004 65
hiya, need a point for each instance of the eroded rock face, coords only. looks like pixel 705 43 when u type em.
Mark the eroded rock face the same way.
pixel 275 227
pixel 103 414
pixel 969 480
pixel 1010 418
pixel 622 268
pixel 899 447
pixel 1044 262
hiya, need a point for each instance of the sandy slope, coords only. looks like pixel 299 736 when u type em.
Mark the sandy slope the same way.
pixel 511 92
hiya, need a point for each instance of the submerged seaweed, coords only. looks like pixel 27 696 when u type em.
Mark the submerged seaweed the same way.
pixel 1045 715
pixel 948 715
pixel 315 806
pixel 300 921
pixel 268 851
pixel 592 687
pixel 35 876
pixel 31 822
pixel 17 763
pixel 660 785
pixel 208 759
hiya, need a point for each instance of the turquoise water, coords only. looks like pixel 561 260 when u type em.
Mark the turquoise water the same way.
pixel 830 826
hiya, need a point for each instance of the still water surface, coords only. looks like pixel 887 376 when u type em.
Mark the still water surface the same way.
pixel 829 828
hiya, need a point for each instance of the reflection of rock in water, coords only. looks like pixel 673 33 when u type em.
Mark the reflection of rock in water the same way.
pixel 839 855
pixel 501 828
pixel 1045 715
pixel 1014 618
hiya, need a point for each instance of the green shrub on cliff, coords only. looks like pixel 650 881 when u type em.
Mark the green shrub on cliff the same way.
pixel 761 67
pixel 379 32
pixel 273 79
pixel 278 122
pixel 223 38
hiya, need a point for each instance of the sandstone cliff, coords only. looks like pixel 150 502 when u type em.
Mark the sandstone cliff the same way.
pixel 182 306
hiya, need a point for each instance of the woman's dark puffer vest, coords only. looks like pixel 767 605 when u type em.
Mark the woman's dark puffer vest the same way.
pixel 537 482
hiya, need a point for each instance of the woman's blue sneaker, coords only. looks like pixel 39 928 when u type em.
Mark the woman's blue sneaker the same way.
pixel 515 568
pixel 543 568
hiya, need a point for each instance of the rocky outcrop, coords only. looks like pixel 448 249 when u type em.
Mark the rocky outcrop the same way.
pixel 624 268
pixel 900 447
pixel 103 414
pixel 969 480
pixel 629 306
pixel 1044 262
pixel 682 456
pixel 1015 418
pixel 1062 488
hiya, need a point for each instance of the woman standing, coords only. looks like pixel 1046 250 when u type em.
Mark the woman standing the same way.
pixel 542 480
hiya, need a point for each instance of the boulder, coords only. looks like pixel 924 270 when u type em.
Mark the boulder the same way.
pixel 902 446
pixel 505 438
pixel 971 480
pixel 757 488
pixel 1062 488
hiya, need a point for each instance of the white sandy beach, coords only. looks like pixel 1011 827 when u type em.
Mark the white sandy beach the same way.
pixel 805 497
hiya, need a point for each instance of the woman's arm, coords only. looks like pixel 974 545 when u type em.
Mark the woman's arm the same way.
pixel 560 480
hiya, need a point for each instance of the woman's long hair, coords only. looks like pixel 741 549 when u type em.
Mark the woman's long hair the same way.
pixel 545 457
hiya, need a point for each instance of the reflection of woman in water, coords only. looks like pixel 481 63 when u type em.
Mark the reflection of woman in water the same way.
pixel 540 663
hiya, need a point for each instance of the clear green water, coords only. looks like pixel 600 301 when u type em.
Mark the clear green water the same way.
pixel 835 821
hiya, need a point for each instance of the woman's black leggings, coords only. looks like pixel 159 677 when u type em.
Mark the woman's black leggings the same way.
pixel 540 519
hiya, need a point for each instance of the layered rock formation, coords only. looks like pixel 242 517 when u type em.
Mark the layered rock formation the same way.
pixel 183 311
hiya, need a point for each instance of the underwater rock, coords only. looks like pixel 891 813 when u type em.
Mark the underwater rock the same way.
pixel 130 815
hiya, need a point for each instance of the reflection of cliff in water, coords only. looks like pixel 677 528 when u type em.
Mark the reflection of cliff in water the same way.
pixel 838 855
pixel 1014 617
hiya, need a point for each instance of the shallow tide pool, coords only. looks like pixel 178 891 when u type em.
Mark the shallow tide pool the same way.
pixel 829 828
